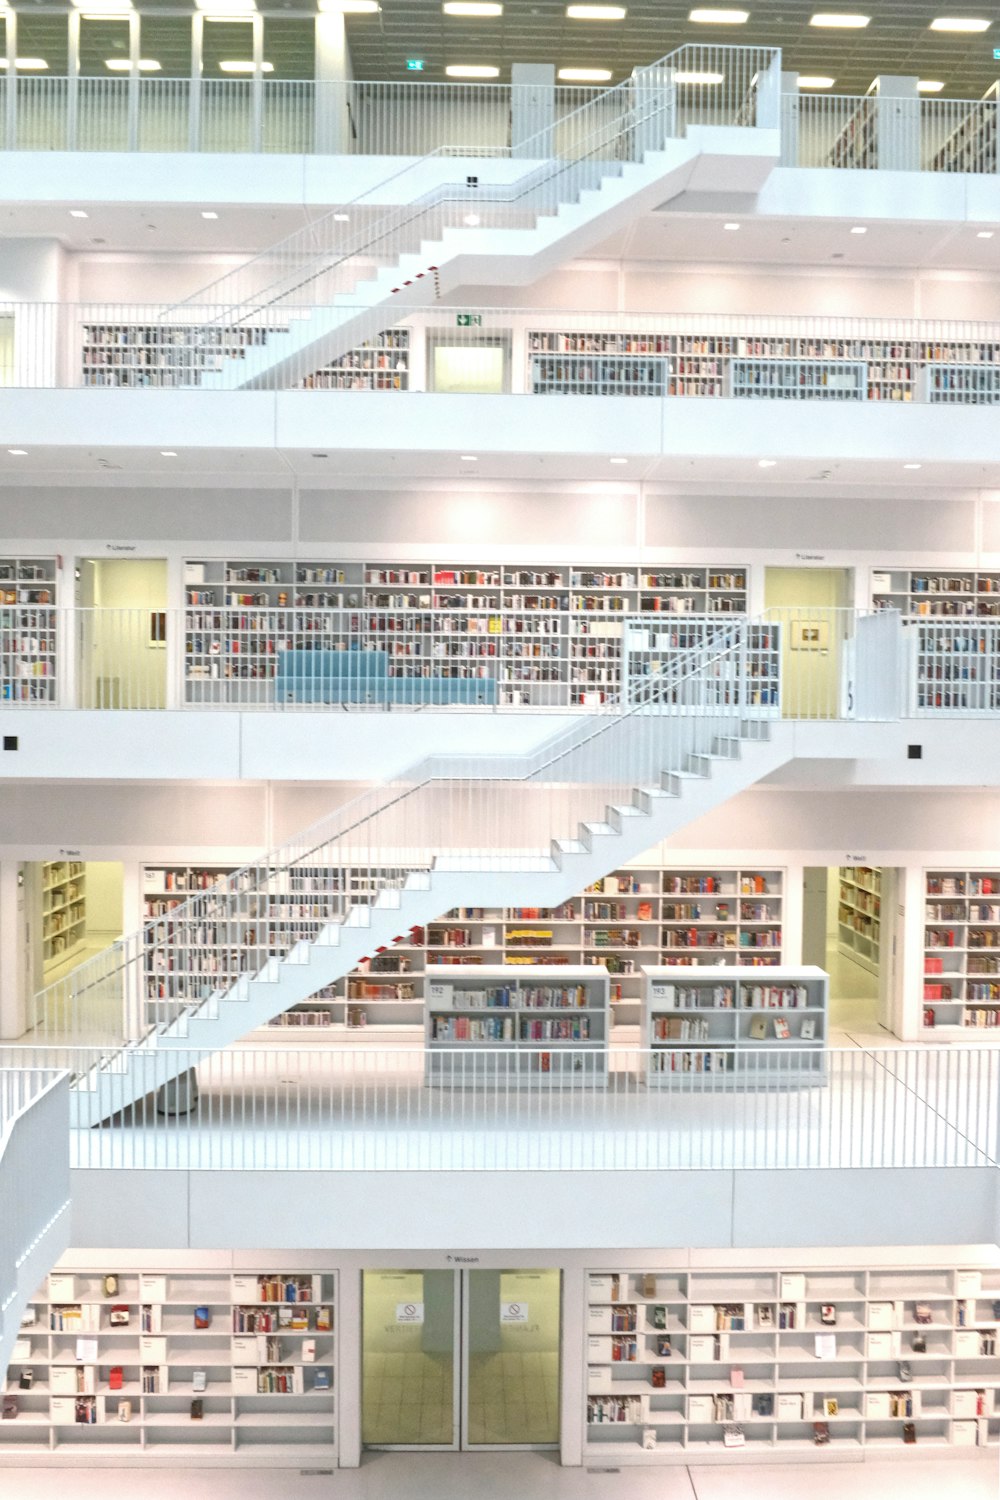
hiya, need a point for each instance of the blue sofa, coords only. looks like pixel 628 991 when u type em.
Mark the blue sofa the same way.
pixel 363 677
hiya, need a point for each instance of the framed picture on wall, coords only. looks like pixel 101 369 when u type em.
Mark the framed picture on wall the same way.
pixel 810 635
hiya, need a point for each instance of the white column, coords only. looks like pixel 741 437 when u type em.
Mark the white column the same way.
pixel 898 123
pixel 10 18
pixel 133 80
pixel 573 1362
pixel 257 105
pixel 349 1358
pixel 73 77
pixel 789 119
pixel 532 108
pixel 331 132
pixel 194 102
pixel 12 988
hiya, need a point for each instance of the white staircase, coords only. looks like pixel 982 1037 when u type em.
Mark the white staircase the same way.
pixel 34 1191
pixel 626 828
pixel 710 158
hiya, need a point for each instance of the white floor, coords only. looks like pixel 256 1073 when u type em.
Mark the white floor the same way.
pixel 520 1476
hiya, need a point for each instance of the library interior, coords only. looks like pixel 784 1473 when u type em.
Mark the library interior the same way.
pixel 327 1056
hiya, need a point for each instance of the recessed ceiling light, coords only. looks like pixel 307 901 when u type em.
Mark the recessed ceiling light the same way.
pixel 471 8
pixel 596 12
pixel 859 229
pixel 929 86
pixel 349 7
pixel 341 218
pixel 815 81
pixel 984 234
pixel 238 65
pixel 100 10
pixel 471 70
pixel 18 452
pixel 912 466
pixel 731 225
pixel 617 460
pixel 167 453
pixel 123 65
pixel 842 19
pixel 698 77
pixel 208 213
pixel 714 17
pixel 78 213
pixel 584 75
pixel 472 220
pixel 959 23
pixel 27 64
pixel 766 463
pixel 469 458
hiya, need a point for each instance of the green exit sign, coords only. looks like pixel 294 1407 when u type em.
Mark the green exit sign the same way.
pixel 414 65
pixel 996 54
pixel 469 320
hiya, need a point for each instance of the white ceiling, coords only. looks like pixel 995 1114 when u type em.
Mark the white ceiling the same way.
pixel 340 468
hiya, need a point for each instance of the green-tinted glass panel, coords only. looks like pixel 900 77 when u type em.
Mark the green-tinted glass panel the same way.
pixel 408 1359
pixel 513 1358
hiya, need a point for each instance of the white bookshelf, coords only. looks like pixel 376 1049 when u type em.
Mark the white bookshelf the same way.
pixel 962 953
pixel 886 1360
pixel 28 636
pixel 64 910
pixel 734 1023
pixel 199 1365
pixel 859 915
pixel 520 1025
pixel 161 355
pixel 798 379
pixel 545 636
pixel 379 364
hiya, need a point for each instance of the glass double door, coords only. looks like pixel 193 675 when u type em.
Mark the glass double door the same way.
pixel 460 1359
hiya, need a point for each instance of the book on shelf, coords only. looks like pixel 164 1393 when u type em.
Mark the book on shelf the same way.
pixel 828 1314
pixel 821 1434
pixel 825 1346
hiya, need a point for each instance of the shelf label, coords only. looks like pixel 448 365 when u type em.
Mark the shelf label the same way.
pixel 513 1312
pixel 409 1312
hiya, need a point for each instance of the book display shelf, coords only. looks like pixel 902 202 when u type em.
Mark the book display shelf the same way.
pixel 28 646
pixel 776 367
pixel 379 364
pixel 954 639
pixel 732 1365
pixel 64 909
pixel 632 917
pixel 747 668
pixel 523 1026
pixel 538 635
pixel 208 1366
pixel 161 355
pixel 735 1022
pixel 859 915
pixel 962 952
pixel 972 145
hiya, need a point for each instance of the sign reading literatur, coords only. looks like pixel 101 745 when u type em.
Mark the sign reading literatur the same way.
pixel 513 1312
pixel 409 1312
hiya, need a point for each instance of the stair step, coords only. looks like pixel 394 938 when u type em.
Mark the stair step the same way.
pixel 600 830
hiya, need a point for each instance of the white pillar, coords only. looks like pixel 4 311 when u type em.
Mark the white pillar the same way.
pixel 12 988
pixel 331 133
pixel 532 109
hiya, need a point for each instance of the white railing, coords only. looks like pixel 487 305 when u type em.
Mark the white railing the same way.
pixel 664 356
pixel 332 255
pixel 34 1183
pixel 870 133
pixel 460 813
pixel 465 813
pixel 365 1108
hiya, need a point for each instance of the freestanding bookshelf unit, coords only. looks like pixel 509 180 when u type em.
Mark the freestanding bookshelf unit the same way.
pixel 736 1023
pixel 519 1025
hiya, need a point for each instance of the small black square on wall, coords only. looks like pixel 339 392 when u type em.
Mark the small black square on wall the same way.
pixel 914 752
pixel 10 741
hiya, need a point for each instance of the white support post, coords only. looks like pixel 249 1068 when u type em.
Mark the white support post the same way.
pixel 790 110
pixel 330 119
pixel 257 87
pixel 133 80
pixel 194 98
pixel 532 108
pixel 897 114
pixel 11 97
pixel 72 79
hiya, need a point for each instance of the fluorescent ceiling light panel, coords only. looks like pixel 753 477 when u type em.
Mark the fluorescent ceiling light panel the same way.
pixel 841 19
pixel 929 86
pixel 730 226
pixel 223 10
pixel 103 10
pixel 28 64
pixel 596 12
pixel 471 70
pixel 700 78
pixel 349 7
pixel 122 64
pixel 584 75
pixel 959 23
pixel 78 213
pixel 710 17
pixel 984 234
pixel 236 65
pixel 471 8
pixel 209 213
pixel 815 81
